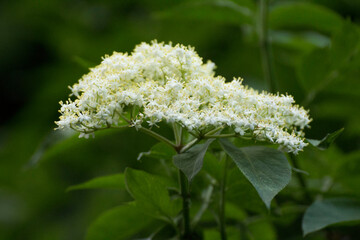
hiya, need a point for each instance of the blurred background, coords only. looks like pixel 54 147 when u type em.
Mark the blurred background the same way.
pixel 48 45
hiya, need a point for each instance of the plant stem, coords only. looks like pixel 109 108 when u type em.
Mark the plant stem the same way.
pixel 190 145
pixel 157 136
pixel 184 188
pixel 222 201
pixel 265 46
pixel 300 178
pixel 214 131
pixel 221 136
pixel 177 134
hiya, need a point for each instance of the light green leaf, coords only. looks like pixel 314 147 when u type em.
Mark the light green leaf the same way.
pixel 223 11
pixel 82 62
pixel 191 161
pixel 150 193
pixel 119 223
pixel 159 151
pixel 326 141
pixel 233 211
pixel 262 230
pixel 330 211
pixel 116 181
pixel 301 41
pixel 304 16
pixel 267 169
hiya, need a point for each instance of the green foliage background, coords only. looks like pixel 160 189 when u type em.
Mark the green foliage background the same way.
pixel 48 45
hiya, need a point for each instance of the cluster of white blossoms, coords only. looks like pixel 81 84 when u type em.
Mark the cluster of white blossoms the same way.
pixel 171 83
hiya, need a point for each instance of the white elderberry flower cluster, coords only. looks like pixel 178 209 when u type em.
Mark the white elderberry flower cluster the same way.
pixel 160 82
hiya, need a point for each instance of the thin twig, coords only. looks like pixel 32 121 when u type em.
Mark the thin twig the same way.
pixel 157 136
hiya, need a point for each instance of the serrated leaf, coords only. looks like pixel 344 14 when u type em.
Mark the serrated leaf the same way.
pixel 325 143
pixel 119 223
pixel 267 169
pixel 330 211
pixel 304 16
pixel 191 161
pixel 116 181
pixel 150 193
pixel 223 11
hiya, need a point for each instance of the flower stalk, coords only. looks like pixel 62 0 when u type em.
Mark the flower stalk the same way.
pixel 157 136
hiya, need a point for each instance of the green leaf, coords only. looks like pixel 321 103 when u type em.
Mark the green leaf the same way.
pixel 330 211
pixel 232 211
pixel 262 230
pixel 267 169
pixel 51 140
pixel 122 222
pixel 301 41
pixel 242 193
pixel 159 151
pixel 206 199
pixel 150 193
pixel 213 166
pixel 223 11
pixel 191 161
pixel 82 62
pixel 325 143
pixel 338 71
pixel 116 181
pixel 304 16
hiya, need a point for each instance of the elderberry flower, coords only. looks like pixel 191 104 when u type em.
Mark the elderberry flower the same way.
pixel 169 83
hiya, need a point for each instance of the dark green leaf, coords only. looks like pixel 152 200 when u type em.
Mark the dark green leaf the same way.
pixel 267 169
pixel 312 74
pixel 213 166
pixel 121 222
pixel 223 11
pixel 52 139
pixel 339 63
pixel 330 211
pixel 326 141
pixel 150 193
pixel 191 161
pixel 242 193
pixel 116 181
pixel 159 151
pixel 206 199
pixel 304 16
